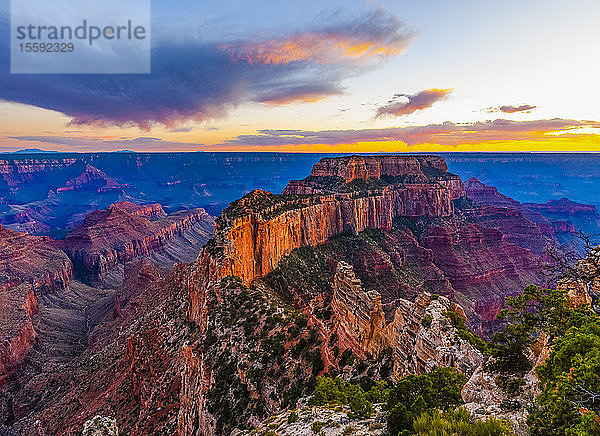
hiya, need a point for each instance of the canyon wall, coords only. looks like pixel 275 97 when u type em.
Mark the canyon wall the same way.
pixel 420 335
pixel 29 267
pixel 121 233
pixel 255 242
pixel 33 260
pixel 443 242
pixel 364 167
pixel 33 266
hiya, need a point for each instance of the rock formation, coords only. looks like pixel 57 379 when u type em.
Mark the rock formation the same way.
pixel 29 268
pixel 123 232
pixel 151 211
pixel 365 167
pixel 258 230
pixel 254 234
pixel 557 220
pixel 32 260
pixel 93 177
pixel 420 335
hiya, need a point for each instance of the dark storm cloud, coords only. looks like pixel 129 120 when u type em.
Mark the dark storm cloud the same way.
pixel 194 80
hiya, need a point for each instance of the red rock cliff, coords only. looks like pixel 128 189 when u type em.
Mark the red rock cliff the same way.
pixel 29 267
pixel 417 334
pixel 364 167
pixel 122 233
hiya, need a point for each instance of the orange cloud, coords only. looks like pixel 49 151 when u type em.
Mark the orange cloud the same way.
pixel 376 35
pixel 445 134
pixel 313 47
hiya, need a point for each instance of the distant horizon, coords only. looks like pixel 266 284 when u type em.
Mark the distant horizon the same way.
pixel 359 153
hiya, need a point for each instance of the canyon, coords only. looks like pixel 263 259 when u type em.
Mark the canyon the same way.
pixel 370 267
pixel 124 232
pixel 316 246
pixel 52 299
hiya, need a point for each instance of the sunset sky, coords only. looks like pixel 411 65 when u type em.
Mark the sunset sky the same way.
pixel 351 76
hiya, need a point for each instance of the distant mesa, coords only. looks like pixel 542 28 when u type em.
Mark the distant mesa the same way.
pixel 125 231
pixel 93 177
pixel 348 173
pixel 30 151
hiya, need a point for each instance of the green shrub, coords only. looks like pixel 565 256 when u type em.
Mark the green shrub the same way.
pixel 360 407
pixel 329 391
pixel 292 417
pixel 414 395
pixel 426 321
pixel 467 335
pixel 458 422
pixel 317 426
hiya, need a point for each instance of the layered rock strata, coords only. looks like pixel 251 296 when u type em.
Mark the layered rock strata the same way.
pixel 420 335
pixel 29 268
pixel 258 230
pixel 122 233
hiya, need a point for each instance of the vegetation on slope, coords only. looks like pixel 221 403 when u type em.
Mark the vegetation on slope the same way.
pixel 569 402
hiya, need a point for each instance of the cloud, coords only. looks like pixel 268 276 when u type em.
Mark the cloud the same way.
pixel 373 35
pixel 443 134
pixel 412 103
pixel 509 109
pixel 199 79
pixel 141 143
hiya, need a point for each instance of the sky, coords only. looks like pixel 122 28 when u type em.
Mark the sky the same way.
pixel 314 76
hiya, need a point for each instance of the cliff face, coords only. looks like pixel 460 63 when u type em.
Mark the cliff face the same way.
pixel 122 233
pixel 556 221
pixel 18 335
pixel 256 233
pixel 33 260
pixel 90 177
pixel 482 267
pixel 258 230
pixel 29 267
pixel 565 207
pixel 43 306
pixel 364 167
pixel 420 335
pixel 151 211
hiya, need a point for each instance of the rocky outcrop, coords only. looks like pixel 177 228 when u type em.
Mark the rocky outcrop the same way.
pixel 258 230
pixel 100 426
pixel 482 267
pixel 32 260
pixel 151 211
pixel 365 167
pixel 122 233
pixel 18 335
pixel 564 206
pixel 485 194
pixel 335 422
pixel 423 242
pixel 333 175
pixel 90 176
pixel 515 228
pixel 29 267
pixel 21 167
pixel 557 220
pixel 421 336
